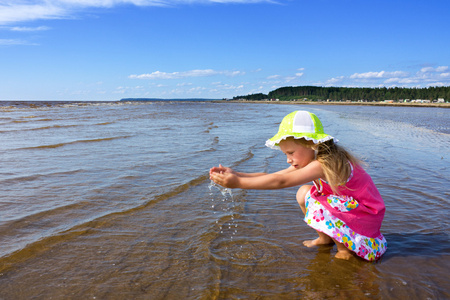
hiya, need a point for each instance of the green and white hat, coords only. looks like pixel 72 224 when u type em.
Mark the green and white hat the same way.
pixel 300 125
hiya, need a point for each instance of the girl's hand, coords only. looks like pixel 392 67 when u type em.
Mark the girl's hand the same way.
pixel 221 169
pixel 225 179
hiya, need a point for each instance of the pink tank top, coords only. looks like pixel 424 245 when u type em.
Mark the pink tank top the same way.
pixel 367 217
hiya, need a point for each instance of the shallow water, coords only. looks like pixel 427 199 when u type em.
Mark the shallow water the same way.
pixel 113 201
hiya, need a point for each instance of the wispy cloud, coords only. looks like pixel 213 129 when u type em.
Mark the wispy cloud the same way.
pixel 335 80
pixel 18 11
pixel 377 75
pixel 15 42
pixel 28 29
pixel 433 70
pixel 226 86
pixel 185 74
pixel 426 76
pixel 13 11
pixel 287 79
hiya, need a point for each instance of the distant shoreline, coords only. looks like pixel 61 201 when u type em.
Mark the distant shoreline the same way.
pixel 406 104
pixel 39 103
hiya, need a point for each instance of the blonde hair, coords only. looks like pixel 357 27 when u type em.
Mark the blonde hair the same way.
pixel 334 160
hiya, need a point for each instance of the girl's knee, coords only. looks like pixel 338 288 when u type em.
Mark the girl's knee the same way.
pixel 301 194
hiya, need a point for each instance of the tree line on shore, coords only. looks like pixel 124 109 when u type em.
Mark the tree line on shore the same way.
pixel 317 93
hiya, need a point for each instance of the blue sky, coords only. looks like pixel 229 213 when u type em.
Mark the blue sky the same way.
pixel 112 49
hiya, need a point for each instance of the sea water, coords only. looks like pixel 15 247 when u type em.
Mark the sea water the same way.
pixel 112 200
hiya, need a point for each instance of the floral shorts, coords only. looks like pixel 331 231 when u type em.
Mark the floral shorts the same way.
pixel 322 220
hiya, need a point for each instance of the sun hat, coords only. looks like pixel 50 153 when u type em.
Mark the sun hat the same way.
pixel 300 124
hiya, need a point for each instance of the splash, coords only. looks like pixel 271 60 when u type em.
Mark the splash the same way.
pixel 224 191
pixel 226 204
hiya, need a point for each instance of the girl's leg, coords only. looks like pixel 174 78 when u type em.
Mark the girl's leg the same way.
pixel 301 194
pixel 323 239
pixel 342 251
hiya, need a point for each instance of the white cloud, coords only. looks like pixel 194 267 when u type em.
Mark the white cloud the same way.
pixel 377 75
pixel 285 79
pixel 432 75
pixel 426 76
pixel 15 42
pixel 226 86
pixel 13 11
pixel 335 80
pixel 185 74
pixel 402 81
pixel 367 75
pixel 431 69
pixel 39 28
pixel 233 73
pixel 438 84
pixel 196 89
pixel 289 78
pixel 427 69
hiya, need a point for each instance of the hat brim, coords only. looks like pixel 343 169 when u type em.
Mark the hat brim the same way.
pixel 317 138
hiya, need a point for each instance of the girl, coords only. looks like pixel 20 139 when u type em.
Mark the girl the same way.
pixel 343 205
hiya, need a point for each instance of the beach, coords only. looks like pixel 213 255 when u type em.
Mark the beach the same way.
pixel 112 200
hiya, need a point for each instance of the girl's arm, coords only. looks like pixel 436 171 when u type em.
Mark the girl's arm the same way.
pixel 222 169
pixel 282 179
pixel 285 171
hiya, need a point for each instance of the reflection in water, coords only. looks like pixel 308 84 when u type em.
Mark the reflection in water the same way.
pixel 355 279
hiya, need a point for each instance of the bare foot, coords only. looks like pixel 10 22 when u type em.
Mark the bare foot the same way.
pixel 344 254
pixel 319 241
pixel 342 251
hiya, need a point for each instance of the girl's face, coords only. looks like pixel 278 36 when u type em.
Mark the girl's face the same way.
pixel 297 155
